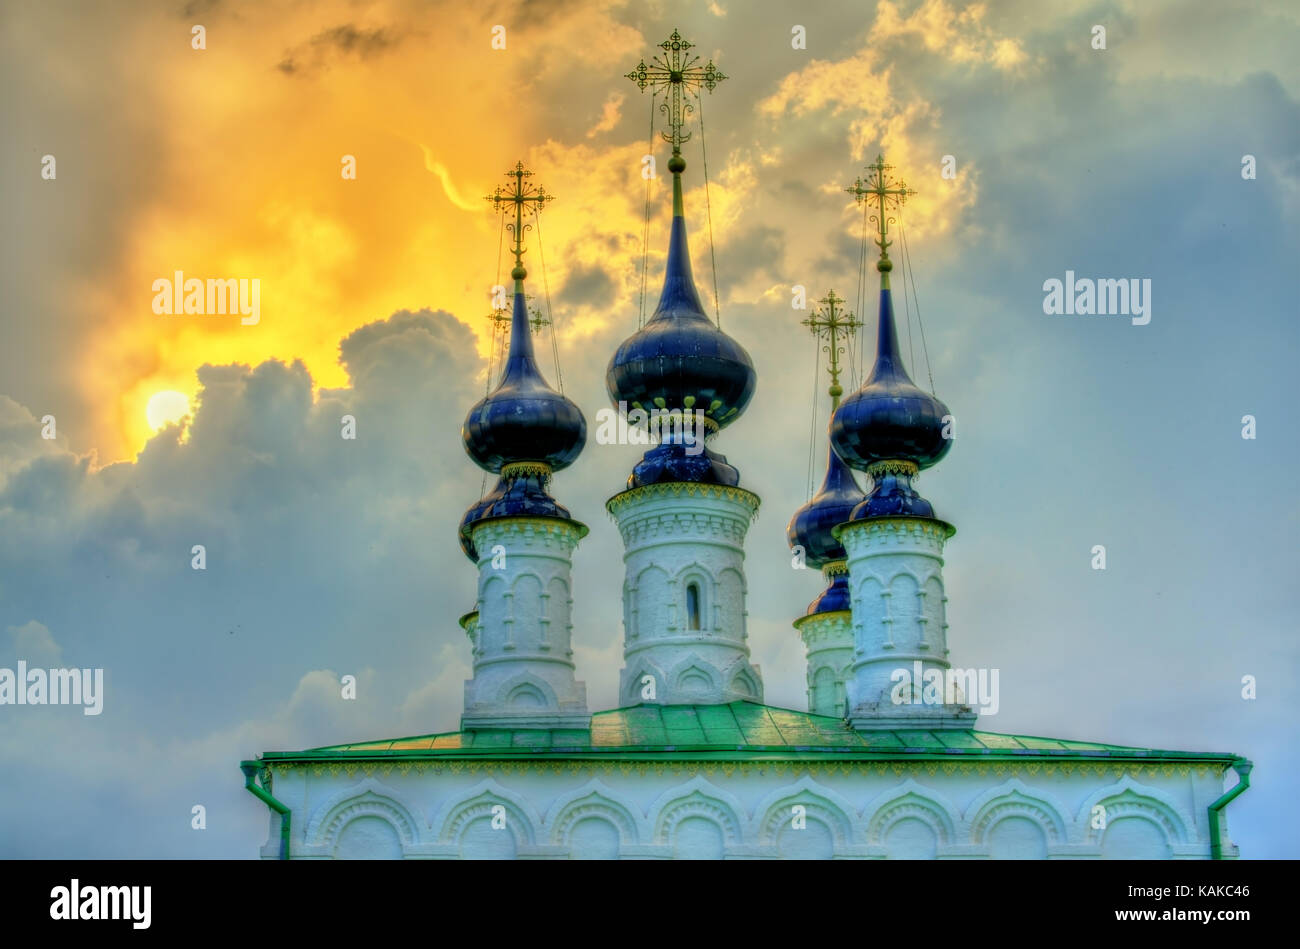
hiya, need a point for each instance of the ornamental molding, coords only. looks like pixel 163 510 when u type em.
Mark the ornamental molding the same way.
pixel 897 466
pixel 821 627
pixel 898 767
pixel 455 815
pixel 747 500
pixel 911 800
pixel 697 798
pixel 683 525
pixel 820 803
pixel 1015 799
pixel 873 533
pixel 1128 798
pixel 369 799
pixel 548 532
pixel 594 799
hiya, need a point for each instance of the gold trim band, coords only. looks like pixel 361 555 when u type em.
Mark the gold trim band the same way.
pixel 896 466
pixel 525 468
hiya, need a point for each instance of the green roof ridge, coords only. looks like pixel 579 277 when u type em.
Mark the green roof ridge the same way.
pixel 733 731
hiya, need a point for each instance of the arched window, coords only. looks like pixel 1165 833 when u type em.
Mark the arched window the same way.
pixel 692 606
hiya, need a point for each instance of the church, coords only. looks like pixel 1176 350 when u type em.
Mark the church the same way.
pixel 887 762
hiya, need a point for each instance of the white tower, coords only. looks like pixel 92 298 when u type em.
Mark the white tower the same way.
pixel 520 538
pixel 683 517
pixel 521 632
pixel 684 634
pixel 891 429
pixel 827 627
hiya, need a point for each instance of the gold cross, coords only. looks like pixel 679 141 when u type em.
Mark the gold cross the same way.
pixel 835 326
pixel 676 68
pixel 876 188
pixel 538 321
pixel 521 194
pixel 500 319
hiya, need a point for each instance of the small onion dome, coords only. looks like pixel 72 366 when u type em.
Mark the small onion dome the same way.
pixel 472 516
pixel 835 597
pixel 892 494
pixel 811 525
pixel 679 359
pixel 519 492
pixel 674 460
pixel 523 419
pixel 889 418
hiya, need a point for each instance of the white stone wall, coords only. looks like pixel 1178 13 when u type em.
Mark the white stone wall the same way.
pixel 560 810
pixel 899 616
pixel 522 653
pixel 828 642
pixel 675 536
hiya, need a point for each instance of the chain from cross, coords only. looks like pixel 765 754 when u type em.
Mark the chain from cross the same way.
pixel 680 71
pixel 877 188
pixel 835 326
pixel 523 196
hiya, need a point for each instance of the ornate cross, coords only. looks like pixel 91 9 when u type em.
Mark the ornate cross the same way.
pixel 877 189
pixel 679 70
pixel 500 318
pixel 835 326
pixel 537 321
pixel 521 194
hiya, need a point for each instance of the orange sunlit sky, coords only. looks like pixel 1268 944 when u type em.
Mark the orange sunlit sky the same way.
pixel 226 162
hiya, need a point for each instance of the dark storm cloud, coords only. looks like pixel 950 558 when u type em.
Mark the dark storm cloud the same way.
pixel 337 43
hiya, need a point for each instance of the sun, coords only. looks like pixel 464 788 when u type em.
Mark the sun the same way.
pixel 166 407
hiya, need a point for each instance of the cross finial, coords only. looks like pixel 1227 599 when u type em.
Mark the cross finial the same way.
pixel 537 321
pixel 678 69
pixel 521 194
pixel 877 189
pixel 500 319
pixel 835 326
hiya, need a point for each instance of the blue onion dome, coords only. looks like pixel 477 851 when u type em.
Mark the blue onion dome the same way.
pixel 889 418
pixel 811 525
pixel 520 492
pixel 523 419
pixel 835 598
pixel 523 431
pixel 681 361
pixel 890 428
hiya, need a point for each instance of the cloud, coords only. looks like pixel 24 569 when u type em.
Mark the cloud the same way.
pixel 339 41
pixel 34 643
pixel 958 33
pixel 448 186
pixel 610 114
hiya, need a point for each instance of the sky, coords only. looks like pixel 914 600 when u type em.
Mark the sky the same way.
pixel 328 557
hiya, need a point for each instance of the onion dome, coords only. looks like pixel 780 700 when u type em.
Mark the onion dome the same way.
pixel 681 361
pixel 520 492
pixel 523 419
pixel 835 597
pixel 523 430
pixel 890 418
pixel 890 428
pixel 811 525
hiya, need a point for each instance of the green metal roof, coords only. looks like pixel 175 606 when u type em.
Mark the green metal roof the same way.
pixel 737 731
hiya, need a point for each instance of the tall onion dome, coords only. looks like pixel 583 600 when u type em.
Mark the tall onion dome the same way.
pixel 523 430
pixel 811 527
pixel 890 428
pixel 680 361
